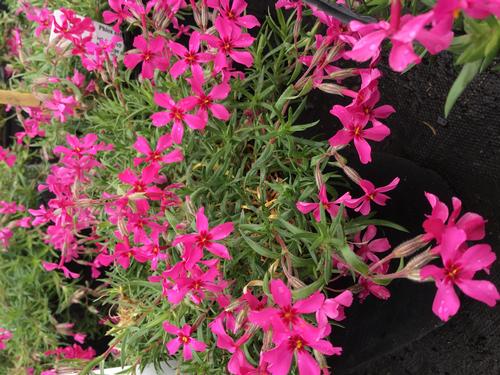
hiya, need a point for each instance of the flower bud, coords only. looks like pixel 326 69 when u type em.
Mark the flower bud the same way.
pixel 331 88
pixel 409 247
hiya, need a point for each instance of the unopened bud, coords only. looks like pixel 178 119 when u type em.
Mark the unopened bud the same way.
pixel 341 74
pixel 352 174
pixel 412 269
pixel 409 247
pixel 136 196
pixel 331 88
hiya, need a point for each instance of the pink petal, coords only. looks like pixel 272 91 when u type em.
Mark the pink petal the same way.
pixel 481 290
pixel 221 231
pixel 343 114
pixel 473 225
pixel 280 292
pixel 306 364
pixel 242 57
pixel 178 69
pixel 376 133
pixel 309 304
pixel 446 302
pixel 218 249
pixel 432 271
pixel 148 69
pixel 161 118
pixel 248 21
pixel 379 245
pixel 195 122
pixel 391 186
pixel 170 328
pixel 383 111
pixel 364 150
pixel 201 221
pixel 342 137
pixel 367 47
pixel 187 353
pixel 173 157
pixel 452 239
pixel 262 318
pixel 220 92
pixel 219 111
pixel 131 60
pixel 477 257
pixel 401 56
pixel 197 345
pixel 164 100
pixel 173 346
pixel 142 145
pixel 279 359
pixel 177 132
pixel 157 44
pixel 305 207
pixel 140 43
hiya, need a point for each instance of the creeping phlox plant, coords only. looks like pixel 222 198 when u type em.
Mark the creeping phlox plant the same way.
pixel 177 199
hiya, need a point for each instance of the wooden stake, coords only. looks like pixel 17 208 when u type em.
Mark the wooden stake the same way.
pixel 23 99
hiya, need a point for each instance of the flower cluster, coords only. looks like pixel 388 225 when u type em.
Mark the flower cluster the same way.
pixel 139 208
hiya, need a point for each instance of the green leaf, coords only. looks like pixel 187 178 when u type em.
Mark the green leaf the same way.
pixel 467 74
pixel 353 260
pixel 307 290
pixel 259 249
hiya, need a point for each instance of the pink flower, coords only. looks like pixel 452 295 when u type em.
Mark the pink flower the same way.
pixel 234 12
pixel 333 308
pixel 120 14
pixel 43 17
pixel 71 26
pixel 205 102
pixel 295 343
pixel 188 58
pixel 230 39
pixel 238 360
pixel 72 352
pixel 60 105
pixel 157 156
pixel 372 193
pixel 369 287
pixel 367 246
pixel 436 223
pixel 80 147
pixel 5 336
pixel 176 113
pixel 204 239
pixel 184 339
pixel 354 130
pixel 140 184
pixel 286 316
pixel 150 53
pixel 8 157
pixel 331 207
pixel 460 266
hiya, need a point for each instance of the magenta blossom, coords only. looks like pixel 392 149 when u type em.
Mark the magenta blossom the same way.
pixel 176 113
pixel 234 12
pixel 60 105
pixel 436 223
pixel 333 308
pixel 205 239
pixel 238 360
pixel 8 157
pixel 5 336
pixel 150 52
pixel 205 102
pixel 368 246
pixel 157 156
pixel 295 343
pixel 120 14
pixel 331 207
pixel 372 193
pixel 355 130
pixel 460 266
pixel 286 316
pixel 184 338
pixel 188 58
pixel 229 44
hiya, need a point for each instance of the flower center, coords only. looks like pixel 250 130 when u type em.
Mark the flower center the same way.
pixel 190 58
pixel 147 56
pixel 230 15
pixel 288 315
pixel 296 343
pixel 203 239
pixel 184 339
pixel 453 271
pixel 178 115
pixel 357 130
pixel 226 46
